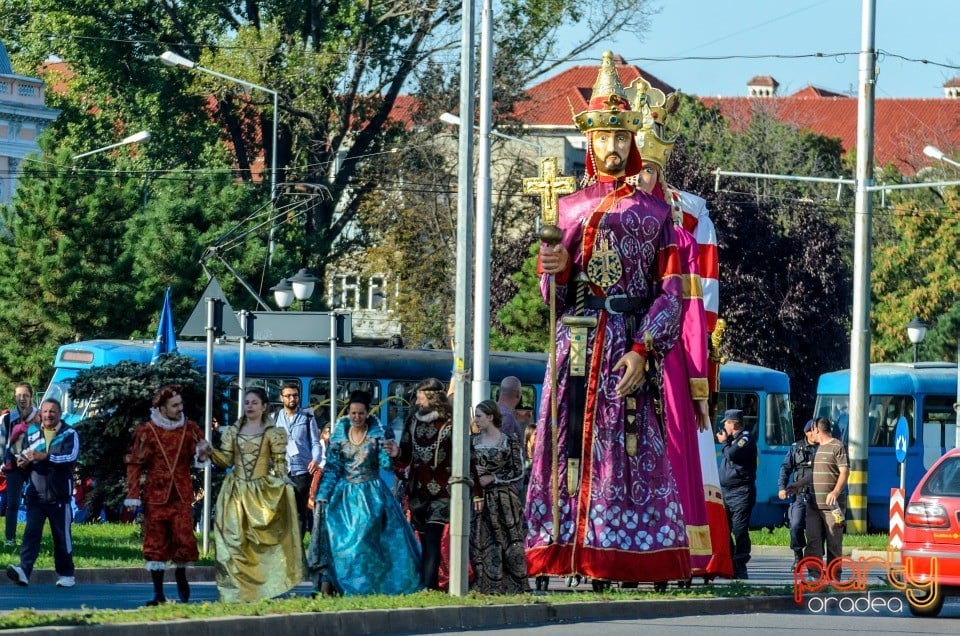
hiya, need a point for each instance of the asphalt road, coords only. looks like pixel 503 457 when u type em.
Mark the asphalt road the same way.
pixel 799 623
pixel 119 596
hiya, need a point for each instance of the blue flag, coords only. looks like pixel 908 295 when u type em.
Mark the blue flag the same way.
pixel 166 337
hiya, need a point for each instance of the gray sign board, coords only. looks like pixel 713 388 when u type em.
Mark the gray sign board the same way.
pixel 299 326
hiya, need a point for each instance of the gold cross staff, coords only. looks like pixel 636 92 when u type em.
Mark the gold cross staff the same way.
pixel 549 185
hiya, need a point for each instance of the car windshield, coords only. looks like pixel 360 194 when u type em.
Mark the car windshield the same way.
pixel 944 481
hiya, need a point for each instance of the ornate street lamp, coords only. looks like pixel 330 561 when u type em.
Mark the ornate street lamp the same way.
pixel 283 293
pixel 916 331
pixel 303 283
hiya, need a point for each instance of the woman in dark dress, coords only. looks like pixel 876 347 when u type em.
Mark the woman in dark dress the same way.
pixel 497 535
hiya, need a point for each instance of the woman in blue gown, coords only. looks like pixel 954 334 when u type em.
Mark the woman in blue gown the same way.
pixel 369 546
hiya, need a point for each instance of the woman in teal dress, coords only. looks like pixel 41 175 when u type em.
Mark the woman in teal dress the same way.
pixel 366 545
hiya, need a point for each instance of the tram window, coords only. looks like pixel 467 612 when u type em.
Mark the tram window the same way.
pixel 779 420
pixel 747 402
pixel 270 385
pixel 883 413
pixel 399 403
pixel 319 396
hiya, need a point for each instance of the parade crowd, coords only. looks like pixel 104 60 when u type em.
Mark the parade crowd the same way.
pixel 616 482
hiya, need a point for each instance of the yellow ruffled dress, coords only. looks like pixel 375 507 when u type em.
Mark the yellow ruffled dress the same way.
pixel 256 531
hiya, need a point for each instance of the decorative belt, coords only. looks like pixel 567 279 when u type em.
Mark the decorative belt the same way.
pixel 618 304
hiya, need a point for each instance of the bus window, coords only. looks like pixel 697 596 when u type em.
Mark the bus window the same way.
pixel 747 402
pixel 939 427
pixel 883 413
pixel 779 420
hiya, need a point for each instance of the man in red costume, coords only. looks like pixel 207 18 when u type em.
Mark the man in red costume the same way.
pixel 159 462
pixel 603 503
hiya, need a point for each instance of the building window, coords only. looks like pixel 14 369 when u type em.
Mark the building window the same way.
pixel 4 87
pixel 25 90
pixel 350 291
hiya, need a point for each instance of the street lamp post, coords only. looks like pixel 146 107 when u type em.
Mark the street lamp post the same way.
pixel 916 331
pixel 141 137
pixel 480 384
pixel 172 59
pixel 938 155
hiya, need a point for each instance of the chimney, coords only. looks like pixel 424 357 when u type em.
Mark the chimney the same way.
pixel 762 86
pixel 951 88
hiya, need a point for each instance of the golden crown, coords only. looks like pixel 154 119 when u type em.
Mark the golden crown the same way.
pixel 653 139
pixel 609 107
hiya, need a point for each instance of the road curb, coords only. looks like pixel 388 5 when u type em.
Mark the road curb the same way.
pixel 204 573
pixel 416 620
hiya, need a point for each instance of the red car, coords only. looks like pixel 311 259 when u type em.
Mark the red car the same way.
pixel 931 537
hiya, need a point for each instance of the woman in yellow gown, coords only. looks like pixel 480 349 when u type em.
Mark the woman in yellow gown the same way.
pixel 256 531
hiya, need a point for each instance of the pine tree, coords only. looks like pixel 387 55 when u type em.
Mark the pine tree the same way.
pixel 120 398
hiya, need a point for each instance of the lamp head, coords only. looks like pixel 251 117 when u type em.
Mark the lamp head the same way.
pixel 283 293
pixel 136 138
pixel 450 118
pixel 172 59
pixel 302 283
pixel 916 330
pixel 933 152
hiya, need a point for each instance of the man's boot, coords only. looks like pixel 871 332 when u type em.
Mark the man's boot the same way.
pixel 158 597
pixel 797 555
pixel 183 588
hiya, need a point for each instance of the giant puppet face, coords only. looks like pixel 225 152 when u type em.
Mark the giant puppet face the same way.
pixel 611 148
pixel 649 176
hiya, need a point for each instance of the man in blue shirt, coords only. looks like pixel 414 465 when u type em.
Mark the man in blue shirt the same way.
pixel 304 451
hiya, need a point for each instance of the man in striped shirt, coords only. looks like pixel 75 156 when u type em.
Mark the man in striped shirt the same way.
pixel 825 514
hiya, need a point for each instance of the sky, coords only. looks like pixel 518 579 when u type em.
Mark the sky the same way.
pixel 916 29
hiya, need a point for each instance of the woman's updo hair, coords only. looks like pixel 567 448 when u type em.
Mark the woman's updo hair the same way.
pixel 489 407
pixel 260 393
pixel 360 397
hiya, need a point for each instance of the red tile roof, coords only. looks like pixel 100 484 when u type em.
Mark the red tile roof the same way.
pixel 763 80
pixel 901 128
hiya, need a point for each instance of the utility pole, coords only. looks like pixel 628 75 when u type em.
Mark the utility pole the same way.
pixel 480 383
pixel 860 332
pixel 462 343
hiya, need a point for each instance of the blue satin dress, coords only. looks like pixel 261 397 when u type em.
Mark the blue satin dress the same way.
pixel 369 547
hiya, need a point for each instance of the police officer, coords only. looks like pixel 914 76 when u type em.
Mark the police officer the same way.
pixel 738 474
pixel 798 464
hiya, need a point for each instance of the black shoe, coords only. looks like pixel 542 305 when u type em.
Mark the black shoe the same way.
pixel 797 556
pixel 740 575
pixel 183 587
pixel 156 600
pixel 542 583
